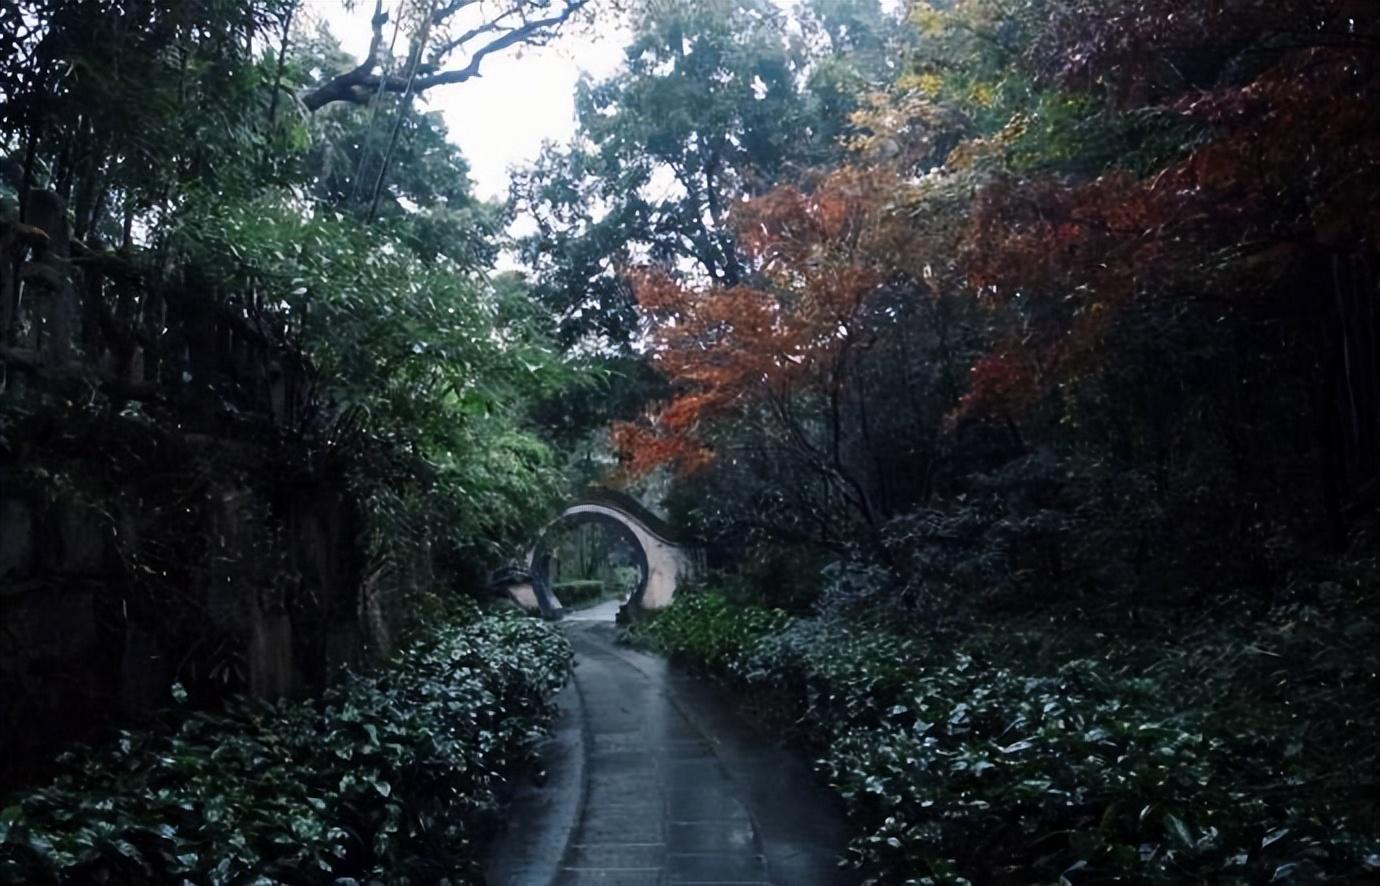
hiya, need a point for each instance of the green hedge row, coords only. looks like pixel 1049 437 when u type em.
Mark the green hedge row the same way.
pixel 392 775
pixel 573 593
pixel 1000 758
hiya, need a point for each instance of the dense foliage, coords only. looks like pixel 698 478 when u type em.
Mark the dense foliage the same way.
pixel 1016 360
pixel 1036 378
pixel 234 155
pixel 393 775
pixel 424 368
pixel 717 101
pixel 264 414
pixel 1034 752
pixel 1072 307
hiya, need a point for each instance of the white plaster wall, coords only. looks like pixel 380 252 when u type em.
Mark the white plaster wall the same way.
pixel 524 595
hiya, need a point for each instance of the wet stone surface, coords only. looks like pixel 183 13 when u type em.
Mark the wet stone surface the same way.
pixel 676 787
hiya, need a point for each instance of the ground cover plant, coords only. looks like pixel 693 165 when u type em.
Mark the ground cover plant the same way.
pixel 392 775
pixel 1039 750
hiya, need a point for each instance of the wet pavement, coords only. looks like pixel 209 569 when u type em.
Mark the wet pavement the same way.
pixel 605 612
pixel 654 778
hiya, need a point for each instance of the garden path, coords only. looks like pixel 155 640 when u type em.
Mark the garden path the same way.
pixel 654 778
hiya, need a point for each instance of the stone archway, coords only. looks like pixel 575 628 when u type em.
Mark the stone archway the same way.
pixel 666 558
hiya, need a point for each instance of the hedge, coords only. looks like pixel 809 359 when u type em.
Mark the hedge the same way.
pixel 393 775
pixel 1013 755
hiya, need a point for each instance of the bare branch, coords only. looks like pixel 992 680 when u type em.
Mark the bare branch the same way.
pixel 360 83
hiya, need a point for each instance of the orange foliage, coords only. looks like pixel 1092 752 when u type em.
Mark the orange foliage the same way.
pixel 730 349
pixel 1281 169
pixel 643 449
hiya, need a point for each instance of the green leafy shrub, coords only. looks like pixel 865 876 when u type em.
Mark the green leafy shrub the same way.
pixel 1032 752
pixel 573 593
pixel 708 629
pixel 390 775
pixel 424 371
pixel 625 579
pixel 780 576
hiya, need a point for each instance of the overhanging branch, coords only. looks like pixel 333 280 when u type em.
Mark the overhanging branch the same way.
pixel 509 26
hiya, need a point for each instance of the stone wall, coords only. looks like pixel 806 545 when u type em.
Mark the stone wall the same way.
pixel 104 604
pixel 167 510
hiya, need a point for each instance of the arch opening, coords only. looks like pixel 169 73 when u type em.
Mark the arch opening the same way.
pixel 588 561
pixel 662 558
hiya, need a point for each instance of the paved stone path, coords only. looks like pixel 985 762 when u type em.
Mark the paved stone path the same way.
pixel 670 786
pixel 604 612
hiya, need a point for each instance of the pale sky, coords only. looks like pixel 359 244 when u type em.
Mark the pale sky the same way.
pixel 501 118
